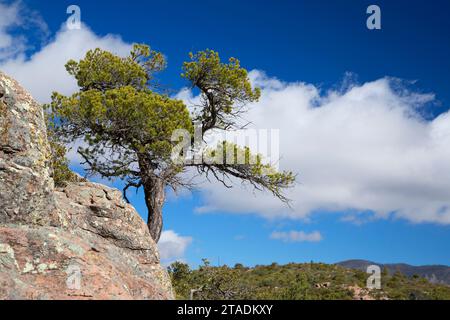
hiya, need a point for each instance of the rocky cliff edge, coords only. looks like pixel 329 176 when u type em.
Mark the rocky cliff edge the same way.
pixel 78 242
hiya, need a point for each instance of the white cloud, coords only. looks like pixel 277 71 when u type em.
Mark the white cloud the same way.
pixel 296 236
pixel 172 246
pixel 365 149
pixel 8 18
pixel 13 17
pixel 44 71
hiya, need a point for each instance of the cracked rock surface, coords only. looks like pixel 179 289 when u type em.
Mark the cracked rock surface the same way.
pixel 78 242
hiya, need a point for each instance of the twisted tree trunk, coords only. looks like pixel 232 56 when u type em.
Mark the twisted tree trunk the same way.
pixel 154 198
pixel 154 194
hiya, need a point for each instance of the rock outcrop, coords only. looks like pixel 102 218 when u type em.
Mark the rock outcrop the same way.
pixel 26 187
pixel 78 242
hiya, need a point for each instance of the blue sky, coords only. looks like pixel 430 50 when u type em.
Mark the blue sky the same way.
pixel 317 43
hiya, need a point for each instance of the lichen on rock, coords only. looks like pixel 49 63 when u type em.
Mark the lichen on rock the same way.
pixel 78 242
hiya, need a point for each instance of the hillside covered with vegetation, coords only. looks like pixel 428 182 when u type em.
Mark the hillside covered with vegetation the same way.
pixel 308 281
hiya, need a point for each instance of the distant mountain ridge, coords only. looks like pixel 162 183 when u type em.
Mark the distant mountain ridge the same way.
pixel 434 273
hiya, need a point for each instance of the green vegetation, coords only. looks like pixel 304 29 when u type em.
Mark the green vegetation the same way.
pixel 59 164
pixel 128 125
pixel 310 281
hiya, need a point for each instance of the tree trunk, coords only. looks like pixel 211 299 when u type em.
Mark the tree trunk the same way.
pixel 154 199
pixel 154 196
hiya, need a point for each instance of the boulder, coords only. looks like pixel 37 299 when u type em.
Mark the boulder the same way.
pixel 26 186
pixel 78 242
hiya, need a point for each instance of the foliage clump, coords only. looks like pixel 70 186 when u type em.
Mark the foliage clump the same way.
pixel 128 125
pixel 59 164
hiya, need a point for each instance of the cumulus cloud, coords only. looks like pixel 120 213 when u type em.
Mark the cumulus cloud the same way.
pixel 365 149
pixel 296 236
pixel 44 71
pixel 172 246
pixel 8 19
pixel 15 17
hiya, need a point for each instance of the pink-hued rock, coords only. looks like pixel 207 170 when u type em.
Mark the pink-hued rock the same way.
pixel 78 242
